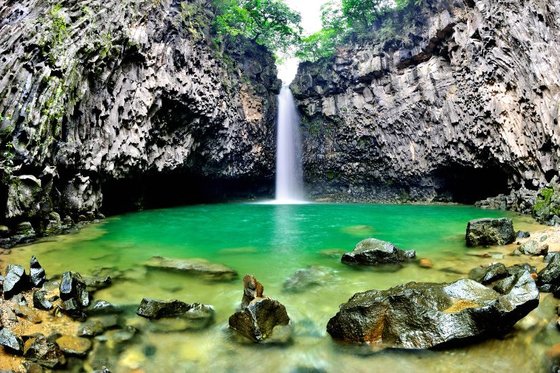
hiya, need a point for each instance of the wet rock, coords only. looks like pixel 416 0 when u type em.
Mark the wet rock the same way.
pixel 175 315
pixel 40 301
pixel 488 232
pixel 74 346
pixel 102 307
pixel 489 274
pixel 10 341
pixel 372 252
pixel 262 318
pixel 199 267
pixel 15 281
pixel 533 248
pixel 522 234
pixel 73 287
pixel 548 278
pixel 91 328
pixel 550 256
pixel 425 315
pixel 37 274
pixel 71 308
pixel 155 309
pixel 43 351
pixel 95 283
pixel 308 277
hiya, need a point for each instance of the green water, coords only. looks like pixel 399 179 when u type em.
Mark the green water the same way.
pixel 272 242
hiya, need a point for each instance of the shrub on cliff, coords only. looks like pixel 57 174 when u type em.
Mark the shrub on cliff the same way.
pixel 547 204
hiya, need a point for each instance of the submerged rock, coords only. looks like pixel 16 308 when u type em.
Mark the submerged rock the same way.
pixel 200 267
pixel 260 318
pixel 175 315
pixel 10 341
pixel 74 346
pixel 36 273
pixel 372 252
pixel 155 309
pixel 308 277
pixel 425 315
pixel 488 232
pixel 15 281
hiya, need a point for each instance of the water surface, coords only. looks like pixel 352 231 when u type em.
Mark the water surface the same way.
pixel 272 242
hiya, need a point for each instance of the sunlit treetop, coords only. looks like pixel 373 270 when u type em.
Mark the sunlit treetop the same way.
pixel 267 22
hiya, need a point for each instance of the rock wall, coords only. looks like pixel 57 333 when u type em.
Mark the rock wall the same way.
pixel 132 102
pixel 451 101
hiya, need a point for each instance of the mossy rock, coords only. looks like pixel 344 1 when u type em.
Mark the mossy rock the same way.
pixel 547 203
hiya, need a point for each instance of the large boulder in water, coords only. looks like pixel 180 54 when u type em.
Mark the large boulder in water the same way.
pixel 425 315
pixel 260 317
pixel 372 252
pixel 488 232
pixel 198 267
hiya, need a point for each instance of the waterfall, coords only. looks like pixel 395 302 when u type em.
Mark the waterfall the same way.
pixel 289 175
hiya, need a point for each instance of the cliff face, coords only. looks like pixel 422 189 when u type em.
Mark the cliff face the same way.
pixel 130 102
pixel 459 101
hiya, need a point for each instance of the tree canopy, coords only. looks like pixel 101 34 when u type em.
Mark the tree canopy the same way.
pixel 267 22
pixel 341 18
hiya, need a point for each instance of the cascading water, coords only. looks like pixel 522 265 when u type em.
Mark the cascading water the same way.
pixel 289 175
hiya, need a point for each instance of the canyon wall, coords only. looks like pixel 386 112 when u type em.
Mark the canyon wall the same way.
pixel 110 105
pixel 453 100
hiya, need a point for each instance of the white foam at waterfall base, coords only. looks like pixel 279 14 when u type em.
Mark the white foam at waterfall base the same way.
pixel 289 174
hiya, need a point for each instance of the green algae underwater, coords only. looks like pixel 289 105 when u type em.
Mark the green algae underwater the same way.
pixel 271 242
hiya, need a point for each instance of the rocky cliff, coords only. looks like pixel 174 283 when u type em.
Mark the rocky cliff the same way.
pixel 110 105
pixel 453 100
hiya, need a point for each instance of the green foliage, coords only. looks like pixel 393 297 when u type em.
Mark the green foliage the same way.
pixel 360 15
pixel 342 19
pixel 55 35
pixel 323 43
pixel 547 203
pixel 267 22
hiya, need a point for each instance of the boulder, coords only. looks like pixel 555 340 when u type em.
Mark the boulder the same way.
pixel 308 277
pixel 95 283
pixel 175 315
pixel 491 273
pixel 425 315
pixel 373 252
pixel 40 301
pixel 260 318
pixel 488 232
pixel 102 307
pixel 74 346
pixel 44 352
pixel 15 281
pixel 28 314
pixel 10 341
pixel 534 248
pixel 73 287
pixel 36 273
pixel 198 267
pixel 548 279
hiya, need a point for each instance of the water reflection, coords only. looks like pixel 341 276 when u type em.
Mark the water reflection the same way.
pixel 287 232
